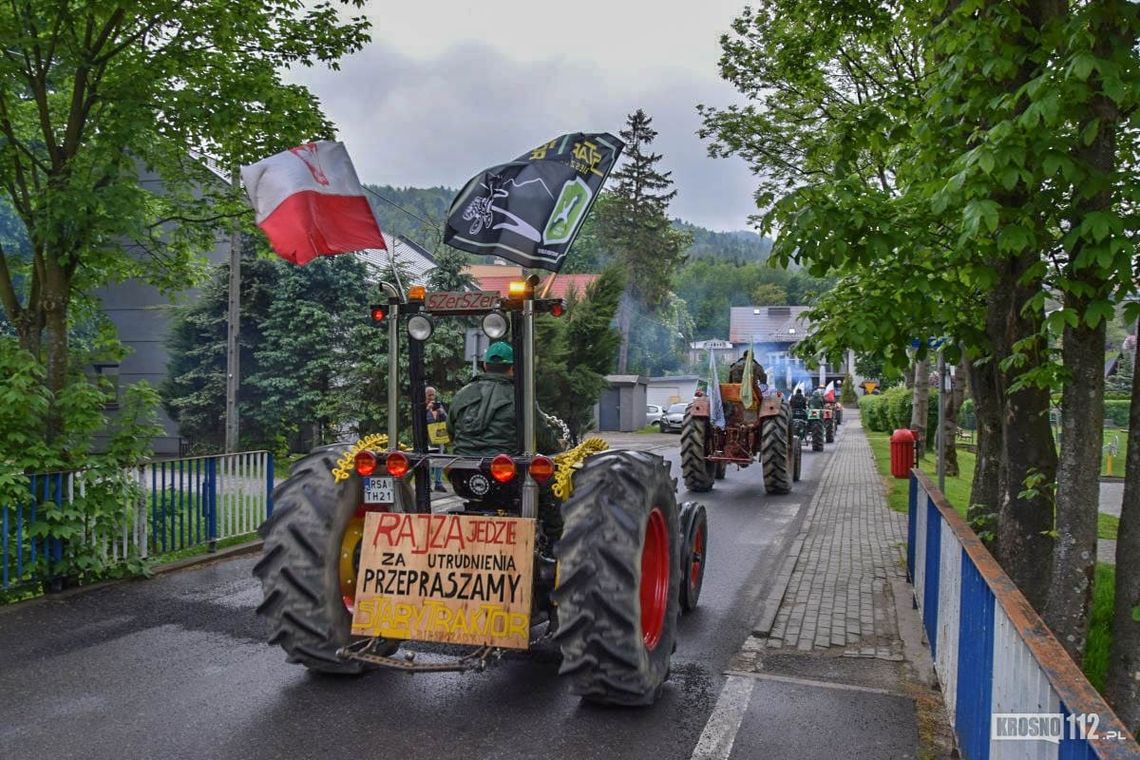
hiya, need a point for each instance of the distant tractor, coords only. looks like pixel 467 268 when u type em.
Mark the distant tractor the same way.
pixel 761 431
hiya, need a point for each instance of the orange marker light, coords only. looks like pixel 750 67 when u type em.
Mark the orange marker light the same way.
pixel 517 289
pixel 541 469
pixel 417 293
pixel 398 465
pixel 503 468
pixel 365 463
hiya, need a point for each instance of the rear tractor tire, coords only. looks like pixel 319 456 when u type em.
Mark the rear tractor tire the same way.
pixel 816 429
pixel 311 540
pixel 698 471
pixel 620 575
pixel 776 455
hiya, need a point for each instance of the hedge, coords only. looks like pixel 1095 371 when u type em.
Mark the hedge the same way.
pixel 1115 414
pixel 891 410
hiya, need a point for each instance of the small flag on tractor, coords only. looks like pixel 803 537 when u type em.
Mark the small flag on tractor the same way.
pixel 716 406
pixel 829 392
pixel 746 380
pixel 309 203
pixel 529 210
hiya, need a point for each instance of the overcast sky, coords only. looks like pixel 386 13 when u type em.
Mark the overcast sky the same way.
pixel 447 88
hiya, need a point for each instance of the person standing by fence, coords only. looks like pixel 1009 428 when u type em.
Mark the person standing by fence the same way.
pixel 436 412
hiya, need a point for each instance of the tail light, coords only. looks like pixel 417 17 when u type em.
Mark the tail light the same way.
pixel 557 309
pixel 378 313
pixel 541 469
pixel 398 464
pixel 503 468
pixel 365 463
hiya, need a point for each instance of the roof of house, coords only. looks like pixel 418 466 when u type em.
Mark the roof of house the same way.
pixel 768 324
pixel 414 257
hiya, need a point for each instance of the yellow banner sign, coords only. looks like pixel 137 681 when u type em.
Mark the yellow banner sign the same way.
pixel 459 579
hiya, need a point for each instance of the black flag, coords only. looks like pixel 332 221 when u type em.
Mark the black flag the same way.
pixel 530 210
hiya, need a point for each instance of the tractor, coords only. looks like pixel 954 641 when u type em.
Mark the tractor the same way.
pixel 761 431
pixel 829 422
pixel 587 548
pixel 813 428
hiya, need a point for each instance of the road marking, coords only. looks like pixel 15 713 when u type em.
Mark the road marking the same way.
pixel 817 684
pixel 720 730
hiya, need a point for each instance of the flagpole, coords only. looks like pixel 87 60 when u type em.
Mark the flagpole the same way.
pixel 233 327
pixel 549 282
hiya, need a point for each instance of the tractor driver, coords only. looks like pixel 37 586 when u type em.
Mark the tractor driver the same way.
pixel 482 420
pixel 816 400
pixel 798 401
pixel 482 423
pixel 736 371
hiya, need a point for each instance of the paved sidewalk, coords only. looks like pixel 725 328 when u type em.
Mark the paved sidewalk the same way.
pixel 839 594
pixel 836 659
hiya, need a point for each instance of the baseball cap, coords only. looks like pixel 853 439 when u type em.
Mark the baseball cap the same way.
pixel 499 353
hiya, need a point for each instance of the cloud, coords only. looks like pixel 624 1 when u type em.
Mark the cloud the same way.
pixel 424 121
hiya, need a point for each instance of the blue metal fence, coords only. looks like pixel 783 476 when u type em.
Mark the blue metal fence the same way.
pixel 994 656
pixel 163 507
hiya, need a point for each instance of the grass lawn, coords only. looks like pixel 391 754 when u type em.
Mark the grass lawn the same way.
pixel 958 493
pixel 957 488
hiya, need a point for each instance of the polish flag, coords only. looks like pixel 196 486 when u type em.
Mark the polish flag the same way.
pixel 829 393
pixel 309 202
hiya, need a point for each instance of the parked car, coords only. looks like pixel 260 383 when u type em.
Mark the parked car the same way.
pixel 674 418
pixel 653 415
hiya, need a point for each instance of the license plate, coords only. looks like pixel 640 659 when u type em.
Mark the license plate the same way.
pixel 379 491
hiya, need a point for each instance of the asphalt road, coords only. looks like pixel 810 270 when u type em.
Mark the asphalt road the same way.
pixel 177 667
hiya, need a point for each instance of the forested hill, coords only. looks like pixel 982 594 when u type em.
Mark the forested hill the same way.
pixel 741 247
pixel 431 204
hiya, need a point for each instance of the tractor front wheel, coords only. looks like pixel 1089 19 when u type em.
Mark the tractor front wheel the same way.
pixel 308 563
pixel 698 471
pixel 799 450
pixel 694 549
pixel 619 590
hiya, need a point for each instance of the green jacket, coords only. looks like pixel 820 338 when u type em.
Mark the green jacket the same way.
pixel 481 420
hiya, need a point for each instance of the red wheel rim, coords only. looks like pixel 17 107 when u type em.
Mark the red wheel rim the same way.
pixel 654 579
pixel 697 560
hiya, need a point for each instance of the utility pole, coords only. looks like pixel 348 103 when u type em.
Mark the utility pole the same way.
pixel 233 329
pixel 942 393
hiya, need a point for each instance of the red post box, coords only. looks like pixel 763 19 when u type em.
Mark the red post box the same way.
pixel 902 453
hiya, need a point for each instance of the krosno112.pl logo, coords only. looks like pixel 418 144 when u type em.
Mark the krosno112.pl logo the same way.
pixel 1049 727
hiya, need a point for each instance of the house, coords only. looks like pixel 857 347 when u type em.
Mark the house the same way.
pixel 699 350
pixel 772 332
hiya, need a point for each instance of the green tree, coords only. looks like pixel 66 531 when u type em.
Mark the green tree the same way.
pixel 769 294
pixel 577 351
pixel 96 98
pixel 850 137
pixel 303 374
pixel 194 391
pixel 636 224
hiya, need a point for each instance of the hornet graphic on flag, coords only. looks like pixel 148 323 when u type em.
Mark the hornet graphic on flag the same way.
pixel 529 210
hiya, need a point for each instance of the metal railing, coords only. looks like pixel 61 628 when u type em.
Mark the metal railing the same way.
pixel 993 655
pixel 160 508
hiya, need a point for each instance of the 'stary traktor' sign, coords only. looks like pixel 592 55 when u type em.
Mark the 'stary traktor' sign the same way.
pixel 458 579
